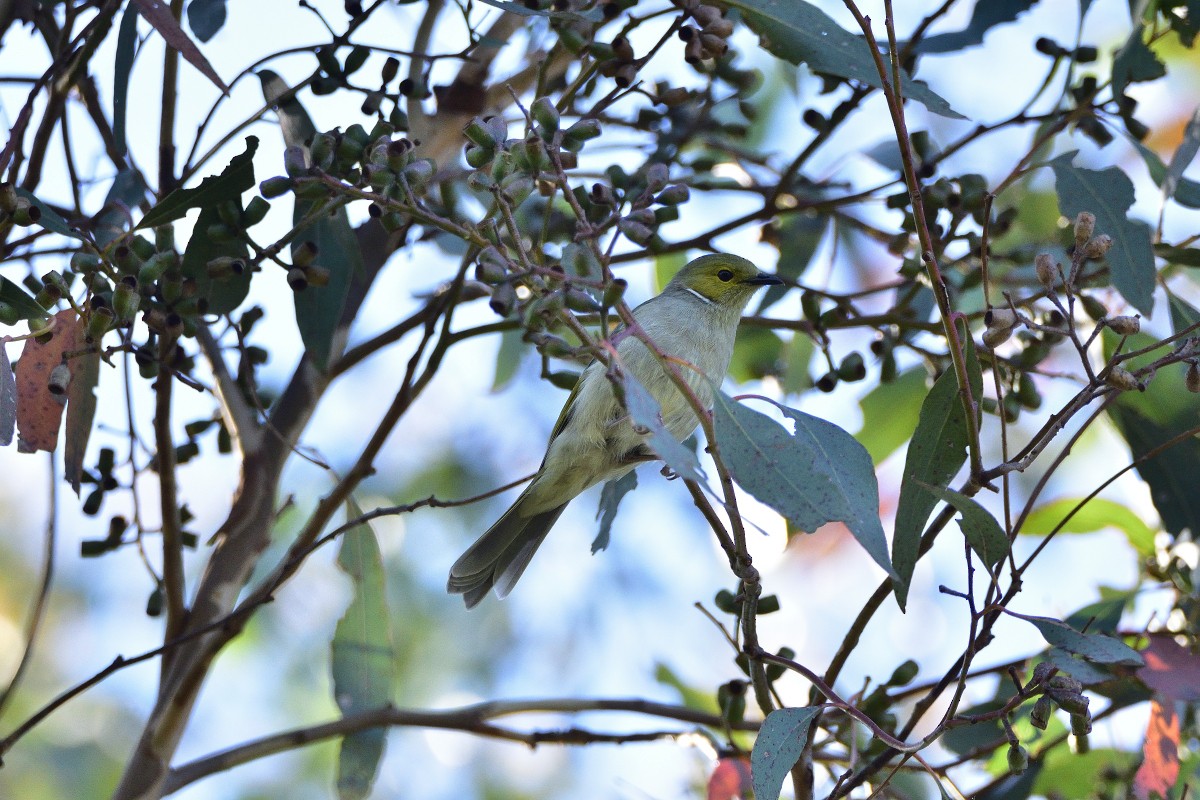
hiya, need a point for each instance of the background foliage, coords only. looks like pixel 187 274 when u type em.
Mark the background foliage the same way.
pixel 288 296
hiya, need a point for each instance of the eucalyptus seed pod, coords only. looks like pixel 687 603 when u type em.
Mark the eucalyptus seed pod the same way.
pixel 275 187
pixel 516 188
pixel 225 267
pixel 25 213
pixel 1039 716
pixel 297 279
pixel 1081 724
pixel 1047 273
pixel 999 317
pixel 1192 378
pixel 657 176
pixel 994 337
pixel 59 380
pixel 84 262
pixel 294 163
pixel 546 116
pixel 479 157
pixel 1097 246
pixel 99 321
pixel 9 315
pixel 614 291
pixel 580 301
pixel 1125 325
pixel 504 299
pixel 1120 378
pixel 126 299
pixel 480 133
pixel 635 231
pixel 321 151
pixel 1085 226
pixel 256 211
pixel 1018 759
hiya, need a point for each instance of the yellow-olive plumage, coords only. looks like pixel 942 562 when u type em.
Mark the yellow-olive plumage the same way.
pixel 694 320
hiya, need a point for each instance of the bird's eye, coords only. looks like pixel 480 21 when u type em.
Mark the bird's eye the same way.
pixel 725 275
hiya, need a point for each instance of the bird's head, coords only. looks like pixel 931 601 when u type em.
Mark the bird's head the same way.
pixel 723 279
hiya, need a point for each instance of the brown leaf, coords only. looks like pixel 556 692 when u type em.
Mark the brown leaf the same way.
pixel 1160 768
pixel 730 780
pixel 1171 670
pixel 39 411
pixel 158 14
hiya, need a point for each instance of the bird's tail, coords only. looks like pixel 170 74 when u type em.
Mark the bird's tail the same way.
pixel 499 557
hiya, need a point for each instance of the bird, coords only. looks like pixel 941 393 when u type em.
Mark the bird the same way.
pixel 694 320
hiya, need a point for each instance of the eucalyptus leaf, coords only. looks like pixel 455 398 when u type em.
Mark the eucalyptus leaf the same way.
pixel 983 532
pixel 891 412
pixel 646 415
pixel 1108 194
pixel 235 179
pixel 984 17
pixel 50 220
pixel 1095 647
pixel 936 453
pixel 122 67
pixel 610 500
pixel 799 32
pixel 817 475
pixel 362 656
pixel 1096 515
pixel 780 741
pixel 8 398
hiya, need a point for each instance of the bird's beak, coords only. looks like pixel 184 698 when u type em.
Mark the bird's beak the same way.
pixel 763 279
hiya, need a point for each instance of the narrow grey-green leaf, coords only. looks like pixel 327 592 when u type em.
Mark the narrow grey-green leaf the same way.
pixel 18 298
pixel 1108 193
pixel 983 532
pixel 81 414
pixel 8 398
pixel 236 178
pixel 1187 191
pixel 1093 646
pixel 777 748
pixel 362 657
pixel 508 357
pixel 50 220
pixel 122 66
pixel 984 17
pixel 799 32
pixel 318 308
pixel 936 453
pixel 817 475
pixel 126 194
pixel 610 500
pixel 647 416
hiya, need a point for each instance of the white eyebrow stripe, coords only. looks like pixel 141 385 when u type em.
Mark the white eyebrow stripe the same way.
pixel 698 296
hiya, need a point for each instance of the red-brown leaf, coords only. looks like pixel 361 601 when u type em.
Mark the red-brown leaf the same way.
pixel 39 412
pixel 158 14
pixel 730 780
pixel 1171 670
pixel 1160 767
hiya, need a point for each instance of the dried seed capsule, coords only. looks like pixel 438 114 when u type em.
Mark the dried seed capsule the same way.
pixel 1085 226
pixel 1098 246
pixel 994 337
pixel 1123 379
pixel 722 28
pixel 60 378
pixel 297 279
pixel 999 317
pixel 1125 325
pixel 1039 717
pixel 1047 272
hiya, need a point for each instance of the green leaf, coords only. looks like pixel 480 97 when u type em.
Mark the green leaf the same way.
pixel 19 299
pixel 1179 256
pixel 50 220
pixel 1187 192
pixel 8 399
pixel 236 178
pixel 778 747
pixel 692 697
pixel 891 412
pixel 1096 647
pixel 1135 62
pixel 935 455
pixel 318 308
pixel 799 237
pixel 1079 776
pixel 81 413
pixel 1183 314
pixel 983 532
pixel 1108 193
pixel 1013 787
pixel 647 416
pixel 984 17
pixel 819 474
pixel 226 293
pixel 665 267
pixel 610 500
pixel 799 32
pixel 122 66
pixel 206 17
pixel 1146 421
pixel 508 357
pixel 1097 515
pixel 362 656
pixel 1184 154
pixel 799 356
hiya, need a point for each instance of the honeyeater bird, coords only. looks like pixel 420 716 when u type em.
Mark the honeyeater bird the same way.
pixel 693 320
